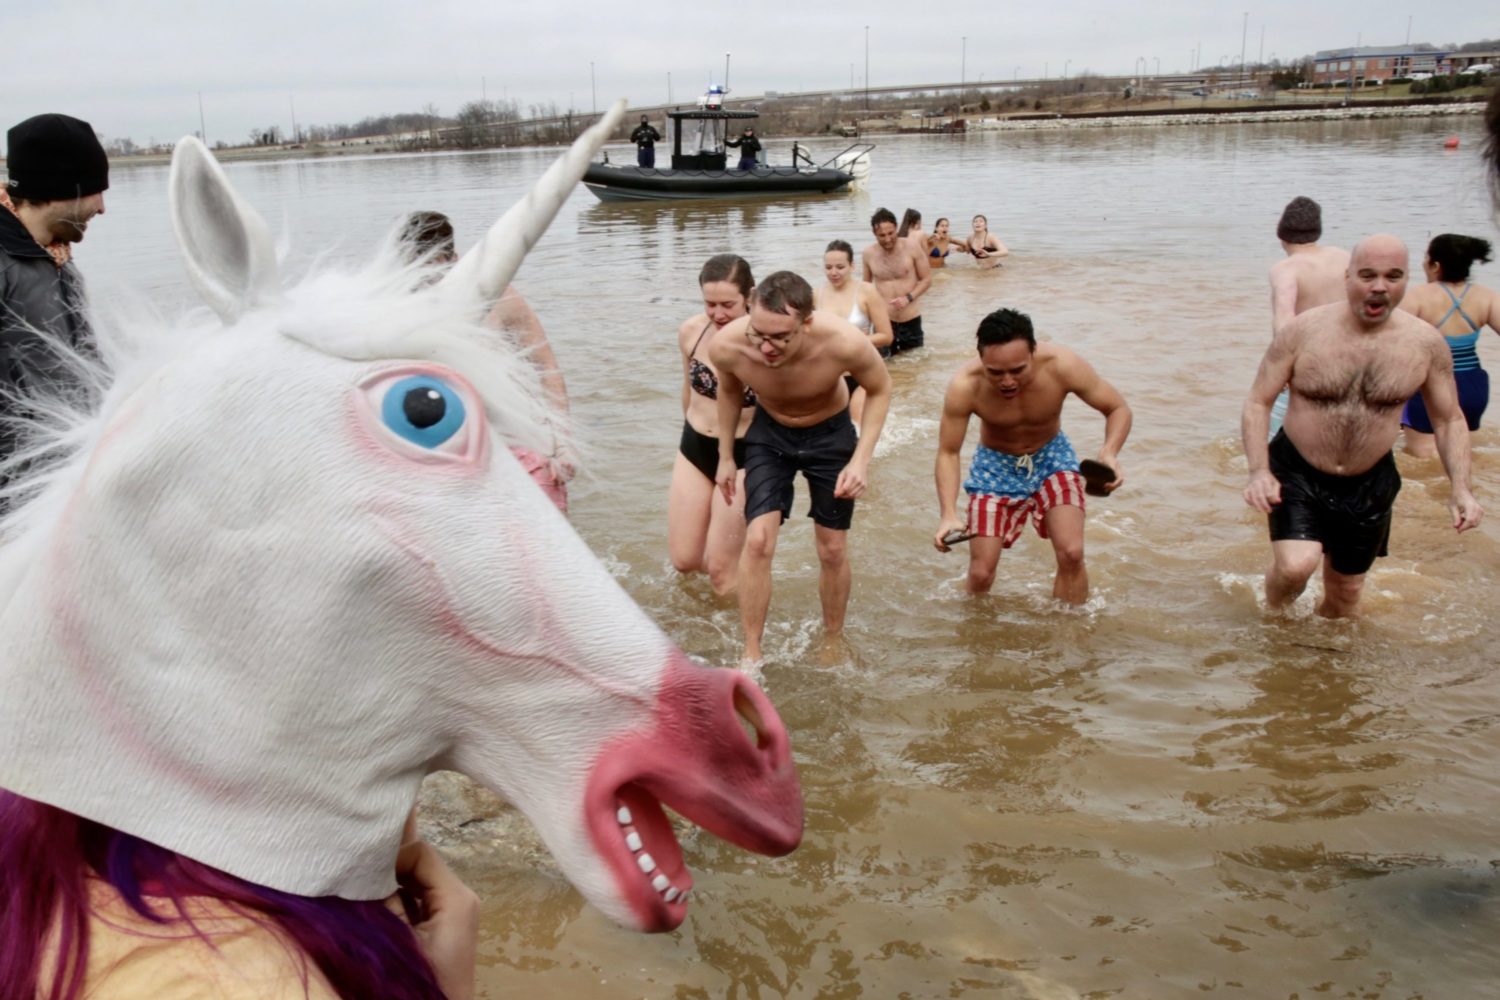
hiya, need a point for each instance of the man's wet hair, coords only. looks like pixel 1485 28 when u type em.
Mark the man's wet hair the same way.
pixel 1004 325
pixel 785 291
pixel 427 236
pixel 730 267
pixel 842 248
pixel 910 217
pixel 1455 254
pixel 882 215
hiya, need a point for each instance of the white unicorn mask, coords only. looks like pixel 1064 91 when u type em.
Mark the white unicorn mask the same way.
pixel 295 569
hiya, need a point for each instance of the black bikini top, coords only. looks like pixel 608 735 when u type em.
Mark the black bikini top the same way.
pixel 702 379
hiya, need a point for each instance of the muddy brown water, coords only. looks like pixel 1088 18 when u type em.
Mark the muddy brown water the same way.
pixel 1164 793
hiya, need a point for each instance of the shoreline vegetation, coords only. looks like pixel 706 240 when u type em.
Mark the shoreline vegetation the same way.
pixel 1084 103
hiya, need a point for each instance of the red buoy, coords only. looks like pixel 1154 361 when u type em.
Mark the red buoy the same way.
pixel 1451 142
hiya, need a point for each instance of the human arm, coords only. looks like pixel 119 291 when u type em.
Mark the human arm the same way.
pixel 998 250
pixel 1085 383
pixel 731 398
pixel 1450 431
pixel 881 334
pixel 865 364
pixel 1263 491
pixel 945 472
pixel 1283 294
pixel 513 313
pixel 869 275
pixel 923 271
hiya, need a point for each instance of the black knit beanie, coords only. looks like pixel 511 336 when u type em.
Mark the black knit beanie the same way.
pixel 55 157
pixel 1301 221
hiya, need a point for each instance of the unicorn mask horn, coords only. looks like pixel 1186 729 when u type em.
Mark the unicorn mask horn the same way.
pixel 298 569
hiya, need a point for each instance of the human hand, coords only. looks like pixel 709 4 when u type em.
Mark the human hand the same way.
pixel 1114 464
pixel 1466 511
pixel 725 479
pixel 945 527
pixel 851 483
pixel 446 917
pixel 1263 491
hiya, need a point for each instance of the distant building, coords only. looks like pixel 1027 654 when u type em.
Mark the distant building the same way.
pixel 1458 62
pixel 1377 62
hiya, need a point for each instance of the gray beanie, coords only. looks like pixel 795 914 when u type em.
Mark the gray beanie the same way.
pixel 1301 221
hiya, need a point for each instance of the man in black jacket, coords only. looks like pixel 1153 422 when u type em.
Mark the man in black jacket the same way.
pixel 57 176
pixel 645 137
pixel 749 146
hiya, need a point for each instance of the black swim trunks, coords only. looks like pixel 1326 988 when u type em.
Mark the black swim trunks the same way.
pixel 907 334
pixel 1349 515
pixel 775 453
pixel 703 451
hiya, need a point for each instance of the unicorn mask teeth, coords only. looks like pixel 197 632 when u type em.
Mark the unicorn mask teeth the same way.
pixel 252 629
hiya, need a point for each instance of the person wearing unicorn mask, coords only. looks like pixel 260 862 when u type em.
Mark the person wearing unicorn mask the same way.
pixel 428 238
pixel 283 569
pixel 57 177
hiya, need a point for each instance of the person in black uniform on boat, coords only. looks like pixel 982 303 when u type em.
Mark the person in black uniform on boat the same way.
pixel 644 137
pixel 749 147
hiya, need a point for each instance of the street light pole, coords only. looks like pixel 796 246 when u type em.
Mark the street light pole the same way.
pixel 593 92
pixel 963 71
pixel 867 69
pixel 1244 33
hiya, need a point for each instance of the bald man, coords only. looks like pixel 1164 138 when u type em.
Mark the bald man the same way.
pixel 1327 481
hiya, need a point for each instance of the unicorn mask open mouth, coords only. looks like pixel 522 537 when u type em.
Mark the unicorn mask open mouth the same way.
pixel 716 754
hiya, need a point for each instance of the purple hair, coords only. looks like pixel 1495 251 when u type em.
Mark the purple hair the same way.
pixel 361 948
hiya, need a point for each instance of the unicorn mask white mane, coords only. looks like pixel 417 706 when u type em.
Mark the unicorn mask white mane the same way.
pixel 291 568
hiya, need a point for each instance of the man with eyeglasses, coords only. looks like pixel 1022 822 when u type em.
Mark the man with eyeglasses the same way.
pixel 795 360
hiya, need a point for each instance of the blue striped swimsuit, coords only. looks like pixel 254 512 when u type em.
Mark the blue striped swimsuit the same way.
pixel 1472 380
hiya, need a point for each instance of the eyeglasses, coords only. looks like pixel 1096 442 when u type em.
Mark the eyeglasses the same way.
pixel 777 340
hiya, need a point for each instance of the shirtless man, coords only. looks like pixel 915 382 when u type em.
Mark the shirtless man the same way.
pixel 1328 480
pixel 1024 466
pixel 900 271
pixel 1310 275
pixel 795 360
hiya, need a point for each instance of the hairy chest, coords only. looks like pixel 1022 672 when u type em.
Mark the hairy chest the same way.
pixel 1379 375
pixel 885 267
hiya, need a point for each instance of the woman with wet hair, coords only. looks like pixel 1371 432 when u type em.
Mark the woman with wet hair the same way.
pixel 940 244
pixel 1460 310
pixel 705 534
pixel 911 229
pixel 844 294
pixel 984 245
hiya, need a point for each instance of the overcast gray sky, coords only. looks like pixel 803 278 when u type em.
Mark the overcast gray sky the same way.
pixel 136 69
